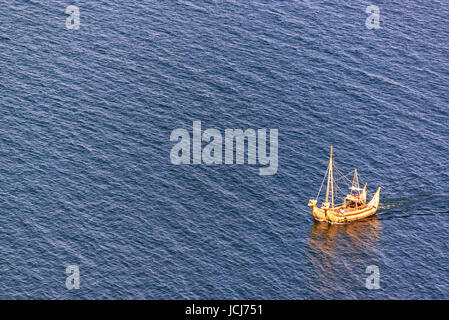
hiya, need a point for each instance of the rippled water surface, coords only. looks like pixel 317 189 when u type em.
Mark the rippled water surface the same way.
pixel 85 169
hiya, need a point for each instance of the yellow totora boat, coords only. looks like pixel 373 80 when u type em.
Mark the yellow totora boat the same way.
pixel 354 206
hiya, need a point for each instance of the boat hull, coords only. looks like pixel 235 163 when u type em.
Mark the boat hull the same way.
pixel 333 216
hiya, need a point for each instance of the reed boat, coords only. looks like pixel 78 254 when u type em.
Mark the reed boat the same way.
pixel 354 206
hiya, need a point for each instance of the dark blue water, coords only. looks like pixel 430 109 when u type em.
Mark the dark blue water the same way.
pixel 85 171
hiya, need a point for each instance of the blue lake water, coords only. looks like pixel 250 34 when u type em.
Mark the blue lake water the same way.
pixel 85 170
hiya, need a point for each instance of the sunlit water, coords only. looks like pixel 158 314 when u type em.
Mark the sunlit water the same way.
pixel 85 171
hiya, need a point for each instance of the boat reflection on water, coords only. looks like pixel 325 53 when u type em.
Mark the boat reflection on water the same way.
pixel 340 253
pixel 356 236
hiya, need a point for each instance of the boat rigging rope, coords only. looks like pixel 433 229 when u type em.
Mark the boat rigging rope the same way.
pixel 341 176
pixel 345 176
pixel 339 190
pixel 324 178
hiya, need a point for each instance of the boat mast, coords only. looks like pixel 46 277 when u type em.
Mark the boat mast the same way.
pixel 330 181
pixel 355 183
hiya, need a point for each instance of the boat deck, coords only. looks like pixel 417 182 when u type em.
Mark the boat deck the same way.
pixel 341 212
